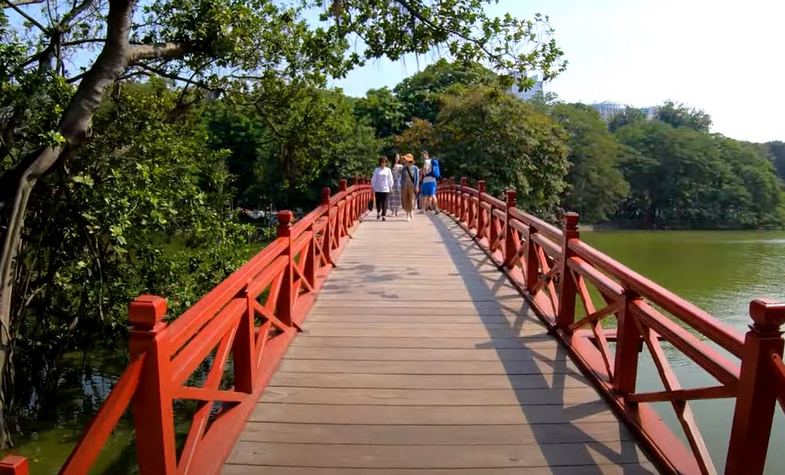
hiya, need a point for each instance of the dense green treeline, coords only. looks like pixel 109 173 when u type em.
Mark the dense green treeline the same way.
pixel 669 172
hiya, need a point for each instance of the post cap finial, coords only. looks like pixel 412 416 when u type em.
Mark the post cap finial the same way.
pixel 326 195
pixel 14 465
pixel 342 184
pixel 512 198
pixel 768 315
pixel 571 220
pixel 146 311
pixel 284 218
pixel 463 181
pixel 481 186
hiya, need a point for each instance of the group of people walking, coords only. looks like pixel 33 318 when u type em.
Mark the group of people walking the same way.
pixel 405 186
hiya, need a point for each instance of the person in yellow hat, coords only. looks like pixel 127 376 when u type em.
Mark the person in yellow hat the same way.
pixel 410 185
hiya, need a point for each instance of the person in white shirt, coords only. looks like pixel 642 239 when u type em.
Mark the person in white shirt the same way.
pixel 382 183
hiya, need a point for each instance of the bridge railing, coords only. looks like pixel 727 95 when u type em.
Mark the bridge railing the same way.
pixel 606 314
pixel 244 324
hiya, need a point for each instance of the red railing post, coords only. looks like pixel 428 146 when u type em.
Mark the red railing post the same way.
pixel 532 260
pixel 494 232
pixel 567 291
pixel 152 404
pixel 451 196
pixel 510 236
pixel 461 201
pixel 480 217
pixel 327 236
pixel 285 297
pixel 470 214
pixel 757 395
pixel 344 223
pixel 628 347
pixel 357 193
pixel 14 465
pixel 243 348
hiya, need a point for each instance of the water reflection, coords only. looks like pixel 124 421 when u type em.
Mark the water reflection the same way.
pixel 721 272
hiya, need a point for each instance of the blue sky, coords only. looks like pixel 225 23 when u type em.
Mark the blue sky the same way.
pixel 722 56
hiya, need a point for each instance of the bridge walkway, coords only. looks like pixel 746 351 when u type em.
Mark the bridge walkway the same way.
pixel 419 357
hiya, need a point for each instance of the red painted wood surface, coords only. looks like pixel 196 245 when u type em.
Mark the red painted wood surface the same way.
pixel 248 319
pixel 555 271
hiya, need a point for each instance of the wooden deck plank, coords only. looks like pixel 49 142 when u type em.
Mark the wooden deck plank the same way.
pixel 429 397
pixel 426 354
pixel 636 468
pixel 419 357
pixel 431 415
pixel 539 341
pixel 337 434
pixel 429 367
pixel 435 456
pixel 428 381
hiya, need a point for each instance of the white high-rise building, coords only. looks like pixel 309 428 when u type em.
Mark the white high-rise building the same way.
pixel 608 110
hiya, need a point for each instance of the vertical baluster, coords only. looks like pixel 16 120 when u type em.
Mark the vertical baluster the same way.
pixel 344 224
pixel 462 201
pixel 357 200
pixel 493 222
pixel 152 403
pixel 532 260
pixel 480 213
pixel 243 348
pixel 628 347
pixel 510 236
pixel 327 232
pixel 567 291
pixel 470 214
pixel 283 309
pixel 757 396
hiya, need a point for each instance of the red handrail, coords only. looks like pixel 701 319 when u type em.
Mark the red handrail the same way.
pixel 251 316
pixel 554 270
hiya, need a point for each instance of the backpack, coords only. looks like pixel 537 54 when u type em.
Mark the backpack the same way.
pixel 435 172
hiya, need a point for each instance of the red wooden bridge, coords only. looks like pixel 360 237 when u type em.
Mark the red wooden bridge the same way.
pixel 483 340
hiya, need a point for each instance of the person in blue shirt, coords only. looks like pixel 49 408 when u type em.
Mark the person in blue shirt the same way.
pixel 428 187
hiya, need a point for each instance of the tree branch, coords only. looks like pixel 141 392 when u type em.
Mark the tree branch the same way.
pixel 158 50
pixel 168 75
pixel 20 3
pixel 27 17
pixel 81 42
pixel 416 14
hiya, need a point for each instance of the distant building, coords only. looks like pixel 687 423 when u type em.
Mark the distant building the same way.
pixel 608 110
pixel 528 94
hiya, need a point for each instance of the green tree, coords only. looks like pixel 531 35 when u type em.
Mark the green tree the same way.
pixel 776 152
pixel 212 44
pixel 595 184
pixel 421 92
pixel 630 115
pixel 381 110
pixel 680 177
pixel 679 115
pixel 113 227
pixel 418 136
pixel 486 133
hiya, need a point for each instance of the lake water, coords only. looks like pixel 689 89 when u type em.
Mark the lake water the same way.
pixel 721 272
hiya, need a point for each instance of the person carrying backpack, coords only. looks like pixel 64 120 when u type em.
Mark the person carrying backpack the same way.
pixel 430 172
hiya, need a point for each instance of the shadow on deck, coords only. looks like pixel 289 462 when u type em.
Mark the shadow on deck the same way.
pixel 420 357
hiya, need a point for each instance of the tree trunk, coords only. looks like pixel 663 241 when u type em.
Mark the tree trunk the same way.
pixel 18 182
